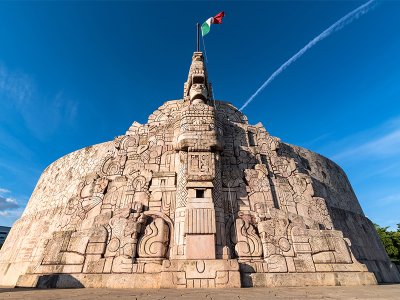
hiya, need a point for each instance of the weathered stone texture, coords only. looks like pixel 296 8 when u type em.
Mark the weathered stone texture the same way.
pixel 60 180
pixel 196 197
pixel 41 218
pixel 331 182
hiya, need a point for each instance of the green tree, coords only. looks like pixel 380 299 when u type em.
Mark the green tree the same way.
pixel 390 240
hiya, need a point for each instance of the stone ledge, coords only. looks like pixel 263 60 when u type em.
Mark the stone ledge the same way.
pixel 138 281
pixel 146 281
pixel 307 279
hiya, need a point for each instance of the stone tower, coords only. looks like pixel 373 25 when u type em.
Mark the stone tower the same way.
pixel 196 197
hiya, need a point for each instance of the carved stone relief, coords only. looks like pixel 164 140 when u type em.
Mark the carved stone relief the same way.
pixel 124 229
pixel 154 242
pixel 248 243
pixel 194 196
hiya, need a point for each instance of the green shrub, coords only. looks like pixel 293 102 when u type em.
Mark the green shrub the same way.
pixel 391 241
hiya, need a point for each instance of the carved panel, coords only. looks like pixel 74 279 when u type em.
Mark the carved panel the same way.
pixel 248 244
pixel 181 191
pixel 124 229
pixel 200 221
pixel 201 166
pixel 154 242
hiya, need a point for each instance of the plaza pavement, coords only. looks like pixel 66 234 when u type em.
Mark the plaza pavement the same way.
pixel 335 292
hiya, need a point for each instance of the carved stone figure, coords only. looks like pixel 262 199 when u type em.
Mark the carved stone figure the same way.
pixel 124 229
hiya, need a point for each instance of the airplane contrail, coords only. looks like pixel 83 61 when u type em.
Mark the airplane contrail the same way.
pixel 347 19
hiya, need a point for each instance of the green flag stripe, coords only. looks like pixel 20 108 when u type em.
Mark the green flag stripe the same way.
pixel 205 28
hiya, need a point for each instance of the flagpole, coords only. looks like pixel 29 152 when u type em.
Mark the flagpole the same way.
pixel 198 37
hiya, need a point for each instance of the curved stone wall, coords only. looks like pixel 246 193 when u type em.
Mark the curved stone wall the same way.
pixel 331 183
pixel 58 183
pixel 329 180
pixel 60 180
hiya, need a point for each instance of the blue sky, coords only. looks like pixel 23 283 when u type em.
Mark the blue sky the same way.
pixel 73 74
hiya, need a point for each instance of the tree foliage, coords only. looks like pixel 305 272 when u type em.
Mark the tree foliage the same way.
pixel 390 240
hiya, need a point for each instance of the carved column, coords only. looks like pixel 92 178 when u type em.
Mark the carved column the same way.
pixel 199 215
pixel 198 187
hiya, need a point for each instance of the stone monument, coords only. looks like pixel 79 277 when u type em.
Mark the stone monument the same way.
pixel 194 198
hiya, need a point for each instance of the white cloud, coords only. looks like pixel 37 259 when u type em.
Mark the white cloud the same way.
pixel 10 208
pixel 388 144
pixel 388 200
pixel 12 215
pixel 17 86
pixel 8 204
pixel 377 143
pixel 4 191
pixel 11 200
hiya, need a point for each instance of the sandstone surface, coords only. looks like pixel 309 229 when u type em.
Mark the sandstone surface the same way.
pixel 195 198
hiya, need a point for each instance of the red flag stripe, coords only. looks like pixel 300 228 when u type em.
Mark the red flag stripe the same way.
pixel 218 18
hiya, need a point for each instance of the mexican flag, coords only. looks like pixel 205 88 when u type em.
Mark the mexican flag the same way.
pixel 205 28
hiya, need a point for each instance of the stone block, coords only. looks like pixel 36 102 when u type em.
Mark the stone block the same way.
pixel 324 257
pixel 27 280
pixel 302 247
pixel 108 264
pixel 290 264
pixel 276 264
pixel 304 263
pixel 152 268
pixel 122 264
pixel 200 246
pixel 72 258
pixel 96 248
pixel 94 265
pixel 307 279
